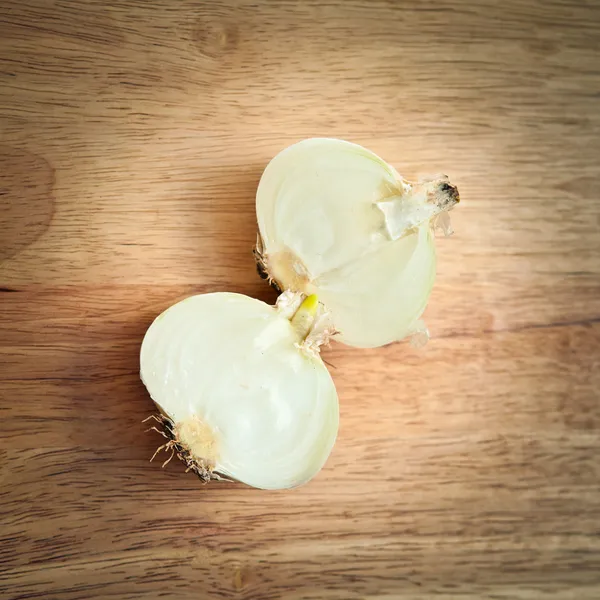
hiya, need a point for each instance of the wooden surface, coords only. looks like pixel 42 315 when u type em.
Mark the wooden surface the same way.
pixel 132 138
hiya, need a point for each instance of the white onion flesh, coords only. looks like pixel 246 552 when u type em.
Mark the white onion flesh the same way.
pixel 234 365
pixel 331 223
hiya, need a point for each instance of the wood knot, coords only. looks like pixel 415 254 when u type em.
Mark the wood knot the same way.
pixel 214 37
pixel 26 201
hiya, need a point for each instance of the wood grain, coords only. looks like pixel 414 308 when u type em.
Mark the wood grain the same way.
pixel 132 138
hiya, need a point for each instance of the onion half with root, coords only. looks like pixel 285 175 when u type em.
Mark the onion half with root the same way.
pixel 241 390
pixel 337 221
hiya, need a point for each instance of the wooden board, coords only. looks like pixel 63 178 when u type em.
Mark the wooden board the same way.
pixel 132 138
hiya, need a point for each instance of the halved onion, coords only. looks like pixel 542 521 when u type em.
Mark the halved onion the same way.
pixel 240 387
pixel 337 221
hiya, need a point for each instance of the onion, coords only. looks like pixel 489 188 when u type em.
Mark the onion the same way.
pixel 336 220
pixel 241 389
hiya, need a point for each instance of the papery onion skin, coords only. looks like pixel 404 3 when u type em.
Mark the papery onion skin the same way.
pixel 240 396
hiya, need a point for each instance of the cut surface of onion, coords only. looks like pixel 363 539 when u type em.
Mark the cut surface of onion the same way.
pixel 337 221
pixel 241 389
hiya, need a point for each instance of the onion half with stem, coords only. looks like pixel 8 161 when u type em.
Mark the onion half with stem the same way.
pixel 336 220
pixel 241 389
